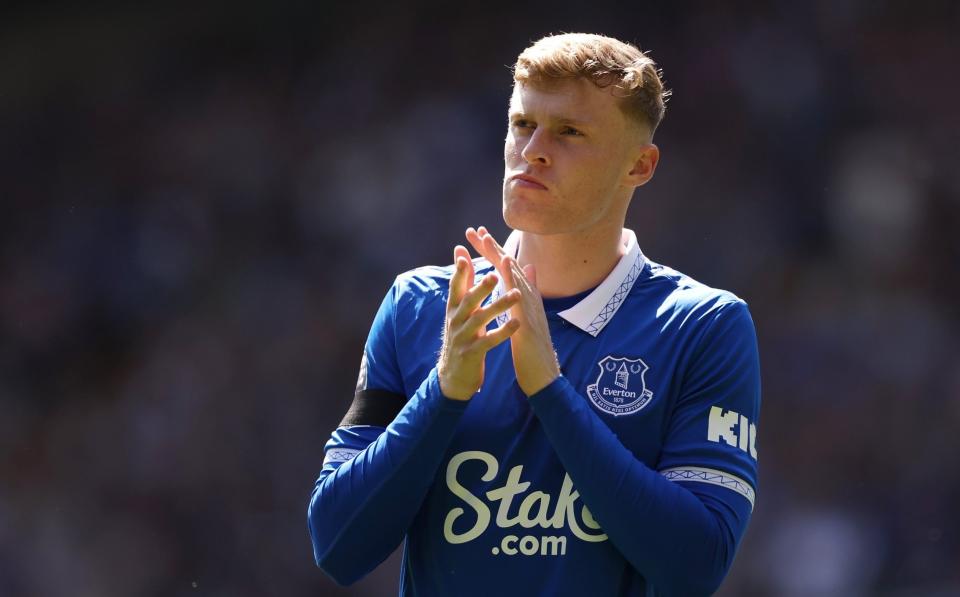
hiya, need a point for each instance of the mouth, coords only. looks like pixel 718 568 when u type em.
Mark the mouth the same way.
pixel 527 181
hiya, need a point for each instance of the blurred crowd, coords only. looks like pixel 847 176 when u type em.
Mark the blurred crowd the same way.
pixel 201 212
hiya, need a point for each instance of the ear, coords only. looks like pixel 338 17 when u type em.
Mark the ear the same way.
pixel 644 163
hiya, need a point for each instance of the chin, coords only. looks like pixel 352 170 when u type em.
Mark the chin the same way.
pixel 522 216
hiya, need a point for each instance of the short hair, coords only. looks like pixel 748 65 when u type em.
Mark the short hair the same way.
pixel 605 62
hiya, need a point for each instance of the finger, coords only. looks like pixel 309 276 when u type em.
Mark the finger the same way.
pixel 491 245
pixel 476 241
pixel 485 244
pixel 484 315
pixel 482 231
pixel 508 271
pixel 497 336
pixel 517 276
pixel 473 297
pixel 461 251
pixel 457 282
pixel 530 273
pixel 514 266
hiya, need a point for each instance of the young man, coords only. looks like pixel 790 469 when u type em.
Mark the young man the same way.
pixel 609 447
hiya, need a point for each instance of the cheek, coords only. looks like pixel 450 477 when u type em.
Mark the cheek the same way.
pixel 604 169
pixel 593 181
pixel 511 150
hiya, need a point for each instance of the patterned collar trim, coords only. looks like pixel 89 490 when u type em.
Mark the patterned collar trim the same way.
pixel 596 309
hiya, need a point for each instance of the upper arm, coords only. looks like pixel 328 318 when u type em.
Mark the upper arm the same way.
pixel 380 392
pixel 710 443
pixel 379 367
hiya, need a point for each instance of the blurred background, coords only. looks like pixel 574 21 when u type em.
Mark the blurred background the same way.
pixel 203 207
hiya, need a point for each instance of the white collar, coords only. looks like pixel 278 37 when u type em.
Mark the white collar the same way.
pixel 595 310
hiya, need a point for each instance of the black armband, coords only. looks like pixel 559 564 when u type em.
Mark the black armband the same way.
pixel 373 407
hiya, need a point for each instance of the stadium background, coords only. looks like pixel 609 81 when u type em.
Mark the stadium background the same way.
pixel 202 208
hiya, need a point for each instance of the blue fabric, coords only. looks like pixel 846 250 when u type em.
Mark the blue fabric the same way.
pixel 361 509
pixel 634 473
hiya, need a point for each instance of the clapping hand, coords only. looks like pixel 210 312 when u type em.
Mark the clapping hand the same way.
pixel 466 340
pixel 534 358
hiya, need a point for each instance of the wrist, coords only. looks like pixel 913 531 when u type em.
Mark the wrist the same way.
pixel 536 386
pixel 549 392
pixel 450 391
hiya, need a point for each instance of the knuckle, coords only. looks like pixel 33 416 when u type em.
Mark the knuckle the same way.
pixel 477 317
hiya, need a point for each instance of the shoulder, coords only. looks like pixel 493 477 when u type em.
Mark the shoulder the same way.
pixel 422 286
pixel 681 296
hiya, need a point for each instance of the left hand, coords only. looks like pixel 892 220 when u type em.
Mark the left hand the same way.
pixel 534 358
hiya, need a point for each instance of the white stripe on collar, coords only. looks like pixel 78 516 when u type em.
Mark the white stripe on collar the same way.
pixel 596 309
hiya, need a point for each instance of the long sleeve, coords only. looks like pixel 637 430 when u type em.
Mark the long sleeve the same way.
pixel 361 508
pixel 382 459
pixel 680 536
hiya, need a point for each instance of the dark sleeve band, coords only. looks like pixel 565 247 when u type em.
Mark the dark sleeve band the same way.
pixel 373 407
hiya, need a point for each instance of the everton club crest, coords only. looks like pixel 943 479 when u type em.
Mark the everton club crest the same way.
pixel 620 388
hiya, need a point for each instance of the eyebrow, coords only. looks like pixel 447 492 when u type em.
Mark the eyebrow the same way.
pixel 550 117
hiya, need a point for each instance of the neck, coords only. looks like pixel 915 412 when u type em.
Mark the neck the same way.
pixel 571 263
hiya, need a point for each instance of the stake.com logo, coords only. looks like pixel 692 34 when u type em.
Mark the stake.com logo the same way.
pixel 534 511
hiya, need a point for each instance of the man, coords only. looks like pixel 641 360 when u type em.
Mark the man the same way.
pixel 589 427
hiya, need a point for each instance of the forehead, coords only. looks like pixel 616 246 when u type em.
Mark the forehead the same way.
pixel 576 99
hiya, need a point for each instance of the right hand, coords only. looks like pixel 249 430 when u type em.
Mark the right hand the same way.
pixel 466 340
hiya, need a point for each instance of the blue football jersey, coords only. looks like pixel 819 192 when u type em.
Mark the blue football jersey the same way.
pixel 660 376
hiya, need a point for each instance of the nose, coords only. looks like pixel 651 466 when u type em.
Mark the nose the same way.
pixel 535 151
